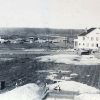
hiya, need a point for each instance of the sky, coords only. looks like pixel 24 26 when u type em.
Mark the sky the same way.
pixel 50 13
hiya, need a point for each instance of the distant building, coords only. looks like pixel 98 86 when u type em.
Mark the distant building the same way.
pixel 2 40
pixel 41 40
pixel 13 41
pixel 53 41
pixel 60 41
pixel 88 40
pixel 16 41
pixel 30 40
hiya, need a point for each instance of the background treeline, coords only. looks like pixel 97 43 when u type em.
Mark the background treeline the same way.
pixel 26 32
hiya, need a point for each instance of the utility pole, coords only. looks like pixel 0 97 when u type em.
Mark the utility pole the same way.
pixel 65 41
pixel 47 32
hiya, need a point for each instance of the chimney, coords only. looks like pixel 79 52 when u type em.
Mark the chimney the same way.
pixel 86 29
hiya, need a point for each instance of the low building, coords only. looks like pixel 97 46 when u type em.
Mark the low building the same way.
pixel 2 40
pixel 88 40
pixel 13 41
pixel 40 40
pixel 60 41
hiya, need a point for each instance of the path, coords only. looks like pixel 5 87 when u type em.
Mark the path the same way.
pixel 57 95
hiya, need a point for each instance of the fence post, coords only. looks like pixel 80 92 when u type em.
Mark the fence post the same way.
pixel 2 85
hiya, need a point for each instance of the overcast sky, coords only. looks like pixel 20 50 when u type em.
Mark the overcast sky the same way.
pixel 50 13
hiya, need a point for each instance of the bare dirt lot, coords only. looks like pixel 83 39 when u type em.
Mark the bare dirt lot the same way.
pixel 19 68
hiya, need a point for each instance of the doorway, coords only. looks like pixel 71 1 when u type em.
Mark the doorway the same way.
pixel 96 45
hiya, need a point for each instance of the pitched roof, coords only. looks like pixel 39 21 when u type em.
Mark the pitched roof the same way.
pixel 86 32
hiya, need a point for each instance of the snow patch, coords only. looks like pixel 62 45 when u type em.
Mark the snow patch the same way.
pixel 57 99
pixel 74 86
pixel 71 59
pixel 26 92
pixel 88 97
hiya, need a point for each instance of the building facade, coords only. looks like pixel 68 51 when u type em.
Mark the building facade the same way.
pixel 88 40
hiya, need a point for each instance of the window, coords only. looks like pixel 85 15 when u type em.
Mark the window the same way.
pixel 97 38
pixel 76 43
pixel 83 43
pixel 87 44
pixel 96 45
pixel 92 38
pixel 83 38
pixel 92 45
pixel 79 43
pixel 97 33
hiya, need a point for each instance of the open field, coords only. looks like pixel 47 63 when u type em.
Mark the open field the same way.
pixel 24 69
pixel 29 52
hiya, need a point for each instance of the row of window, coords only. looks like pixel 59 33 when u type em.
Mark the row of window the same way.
pixel 92 38
pixel 87 44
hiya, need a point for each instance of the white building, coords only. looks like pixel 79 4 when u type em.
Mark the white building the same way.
pixel 2 40
pixel 88 40
pixel 40 40
pixel 59 39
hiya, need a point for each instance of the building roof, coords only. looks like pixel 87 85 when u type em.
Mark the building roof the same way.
pixel 86 32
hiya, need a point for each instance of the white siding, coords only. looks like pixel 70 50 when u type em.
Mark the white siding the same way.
pixel 89 41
